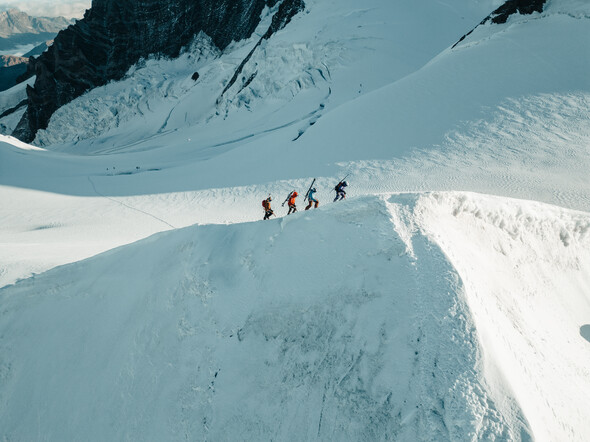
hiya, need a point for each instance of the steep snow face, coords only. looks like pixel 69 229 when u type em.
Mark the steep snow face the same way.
pixel 15 95
pixel 13 105
pixel 331 53
pixel 320 325
pixel 526 270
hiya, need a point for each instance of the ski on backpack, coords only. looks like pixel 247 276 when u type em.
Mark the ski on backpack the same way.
pixel 287 199
pixel 341 181
pixel 291 204
pixel 307 193
pixel 339 188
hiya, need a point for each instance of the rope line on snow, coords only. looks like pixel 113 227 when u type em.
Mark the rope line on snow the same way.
pixel 127 205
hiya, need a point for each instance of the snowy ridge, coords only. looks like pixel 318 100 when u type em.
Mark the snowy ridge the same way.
pixel 142 297
pixel 351 323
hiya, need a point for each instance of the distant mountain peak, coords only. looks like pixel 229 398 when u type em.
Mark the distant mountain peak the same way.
pixel 13 21
pixel 12 60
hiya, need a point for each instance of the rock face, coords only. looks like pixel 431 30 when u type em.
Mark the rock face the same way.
pixel 115 34
pixel 523 7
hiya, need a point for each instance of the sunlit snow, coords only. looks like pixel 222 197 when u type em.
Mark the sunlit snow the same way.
pixel 447 298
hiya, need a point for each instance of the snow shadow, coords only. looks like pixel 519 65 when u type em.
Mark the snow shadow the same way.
pixel 585 332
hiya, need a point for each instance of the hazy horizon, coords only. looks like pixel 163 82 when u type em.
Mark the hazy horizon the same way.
pixel 48 8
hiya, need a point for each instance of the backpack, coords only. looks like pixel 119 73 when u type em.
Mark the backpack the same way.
pixel 264 203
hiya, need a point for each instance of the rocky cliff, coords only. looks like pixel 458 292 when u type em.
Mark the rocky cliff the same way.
pixel 115 34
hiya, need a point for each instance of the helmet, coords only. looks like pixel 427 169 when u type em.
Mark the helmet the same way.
pixel 344 183
pixel 295 194
pixel 269 198
pixel 312 189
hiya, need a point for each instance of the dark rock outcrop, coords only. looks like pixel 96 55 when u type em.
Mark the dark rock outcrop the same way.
pixel 500 15
pixel 29 68
pixel 524 7
pixel 115 34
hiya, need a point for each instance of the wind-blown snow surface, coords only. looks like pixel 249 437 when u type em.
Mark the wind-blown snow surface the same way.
pixel 367 320
pixel 434 315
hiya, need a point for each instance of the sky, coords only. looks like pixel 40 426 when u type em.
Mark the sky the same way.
pixel 48 8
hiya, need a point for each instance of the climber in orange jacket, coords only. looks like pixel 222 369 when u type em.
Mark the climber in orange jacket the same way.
pixel 291 203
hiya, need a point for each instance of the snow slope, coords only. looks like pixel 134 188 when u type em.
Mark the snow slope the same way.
pixel 330 54
pixel 10 100
pixel 366 320
pixel 423 308
pixel 462 121
pixel 526 270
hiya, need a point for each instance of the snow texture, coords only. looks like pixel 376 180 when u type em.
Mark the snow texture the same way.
pixel 447 298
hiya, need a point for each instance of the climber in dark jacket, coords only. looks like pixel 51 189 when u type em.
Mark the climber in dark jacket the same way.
pixel 340 193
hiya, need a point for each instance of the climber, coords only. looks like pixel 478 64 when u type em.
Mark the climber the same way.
pixel 291 203
pixel 268 212
pixel 340 193
pixel 312 199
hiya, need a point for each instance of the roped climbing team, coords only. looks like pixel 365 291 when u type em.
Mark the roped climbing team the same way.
pixel 312 200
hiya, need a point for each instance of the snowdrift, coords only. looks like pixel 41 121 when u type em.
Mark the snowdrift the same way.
pixel 526 271
pixel 399 317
